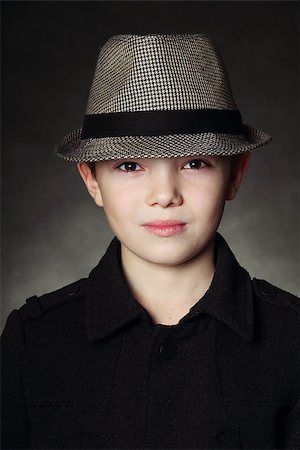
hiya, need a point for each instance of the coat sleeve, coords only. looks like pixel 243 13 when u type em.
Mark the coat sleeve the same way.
pixel 291 432
pixel 14 421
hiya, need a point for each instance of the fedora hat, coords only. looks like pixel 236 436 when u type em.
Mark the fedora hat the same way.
pixel 159 96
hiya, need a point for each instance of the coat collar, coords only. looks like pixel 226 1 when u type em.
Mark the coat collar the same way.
pixel 110 304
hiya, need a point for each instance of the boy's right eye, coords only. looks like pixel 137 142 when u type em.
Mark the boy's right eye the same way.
pixel 129 166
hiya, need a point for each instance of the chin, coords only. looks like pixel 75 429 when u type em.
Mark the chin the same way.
pixel 161 255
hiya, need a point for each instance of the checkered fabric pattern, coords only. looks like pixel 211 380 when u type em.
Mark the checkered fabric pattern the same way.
pixel 153 73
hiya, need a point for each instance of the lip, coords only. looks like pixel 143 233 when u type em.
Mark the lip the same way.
pixel 164 223
pixel 165 228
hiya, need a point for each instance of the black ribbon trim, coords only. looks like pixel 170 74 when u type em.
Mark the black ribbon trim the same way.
pixel 159 123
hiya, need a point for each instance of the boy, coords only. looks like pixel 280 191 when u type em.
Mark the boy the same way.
pixel 168 343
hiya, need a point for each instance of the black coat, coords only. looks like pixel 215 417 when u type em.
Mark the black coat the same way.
pixel 86 367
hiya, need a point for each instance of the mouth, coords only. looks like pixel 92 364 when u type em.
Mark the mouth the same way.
pixel 165 227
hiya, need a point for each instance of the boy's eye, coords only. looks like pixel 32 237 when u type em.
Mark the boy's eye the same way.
pixel 129 166
pixel 196 164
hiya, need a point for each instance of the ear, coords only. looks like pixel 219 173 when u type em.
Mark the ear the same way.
pixel 90 182
pixel 239 166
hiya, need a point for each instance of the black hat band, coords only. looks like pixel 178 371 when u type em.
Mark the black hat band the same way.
pixel 159 123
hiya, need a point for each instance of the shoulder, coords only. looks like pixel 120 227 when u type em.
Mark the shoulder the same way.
pixel 37 306
pixel 269 293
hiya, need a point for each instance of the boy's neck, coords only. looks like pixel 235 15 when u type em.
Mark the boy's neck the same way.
pixel 168 293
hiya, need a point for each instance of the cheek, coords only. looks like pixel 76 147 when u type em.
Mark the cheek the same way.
pixel 118 203
pixel 208 207
pixel 209 195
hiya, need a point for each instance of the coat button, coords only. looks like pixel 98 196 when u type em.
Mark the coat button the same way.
pixel 168 349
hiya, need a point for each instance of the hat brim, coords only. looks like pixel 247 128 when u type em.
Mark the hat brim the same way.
pixel 72 148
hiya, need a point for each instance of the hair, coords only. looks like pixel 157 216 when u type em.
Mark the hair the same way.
pixel 92 166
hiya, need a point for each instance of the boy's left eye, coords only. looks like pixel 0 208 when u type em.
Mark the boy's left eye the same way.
pixel 197 164
pixel 129 166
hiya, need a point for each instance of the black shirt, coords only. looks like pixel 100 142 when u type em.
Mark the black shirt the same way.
pixel 86 367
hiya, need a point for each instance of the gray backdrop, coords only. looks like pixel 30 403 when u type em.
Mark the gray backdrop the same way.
pixel 53 233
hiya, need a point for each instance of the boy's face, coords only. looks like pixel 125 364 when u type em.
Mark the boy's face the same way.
pixel 192 190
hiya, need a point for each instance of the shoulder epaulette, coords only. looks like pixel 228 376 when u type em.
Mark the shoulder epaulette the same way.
pixel 275 295
pixel 36 306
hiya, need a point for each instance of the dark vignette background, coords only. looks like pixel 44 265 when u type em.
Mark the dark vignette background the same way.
pixel 53 233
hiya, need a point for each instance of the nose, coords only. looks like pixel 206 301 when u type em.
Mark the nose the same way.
pixel 164 189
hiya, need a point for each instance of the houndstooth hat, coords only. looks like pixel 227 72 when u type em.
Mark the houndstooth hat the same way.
pixel 159 96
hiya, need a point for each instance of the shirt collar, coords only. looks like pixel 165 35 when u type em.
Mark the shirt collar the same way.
pixel 110 304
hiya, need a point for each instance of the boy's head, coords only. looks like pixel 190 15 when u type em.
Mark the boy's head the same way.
pixel 189 190
pixel 167 140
